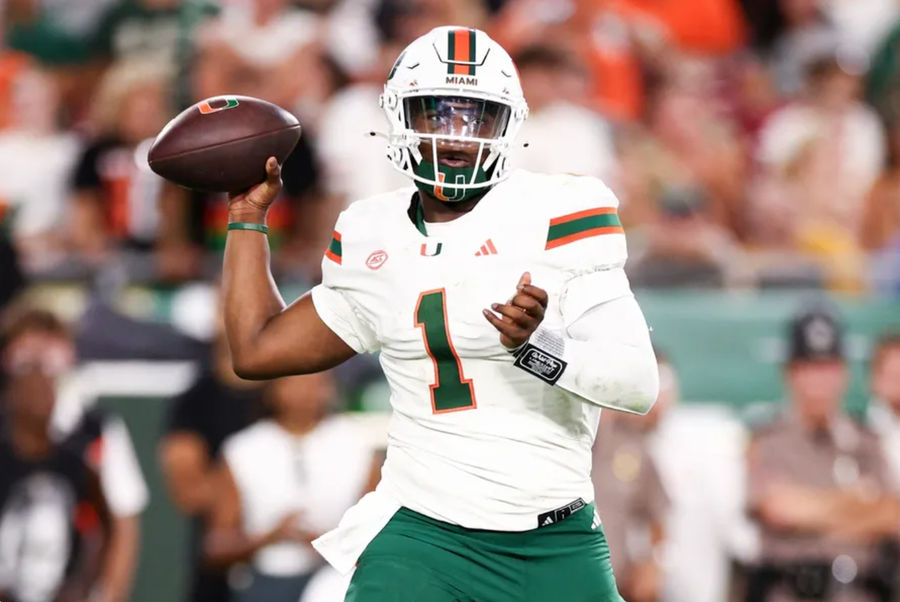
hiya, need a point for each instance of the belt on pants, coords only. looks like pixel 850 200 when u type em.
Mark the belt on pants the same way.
pixel 560 514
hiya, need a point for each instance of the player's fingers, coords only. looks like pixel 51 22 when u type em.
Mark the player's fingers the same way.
pixel 524 279
pixel 494 320
pixel 529 305
pixel 536 292
pixel 515 315
pixel 273 170
pixel 511 335
pixel 503 324
pixel 263 194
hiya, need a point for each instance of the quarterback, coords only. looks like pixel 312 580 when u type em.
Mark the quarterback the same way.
pixel 504 321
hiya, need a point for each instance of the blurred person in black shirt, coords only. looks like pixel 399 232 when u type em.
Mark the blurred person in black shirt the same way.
pixel 117 202
pixel 218 404
pixel 11 279
pixel 54 523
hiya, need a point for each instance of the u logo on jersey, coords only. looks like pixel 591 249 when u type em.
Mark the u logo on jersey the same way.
pixel 431 249
pixel 206 107
pixel 457 193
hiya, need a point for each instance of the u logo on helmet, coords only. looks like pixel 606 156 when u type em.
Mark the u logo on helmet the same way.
pixel 206 107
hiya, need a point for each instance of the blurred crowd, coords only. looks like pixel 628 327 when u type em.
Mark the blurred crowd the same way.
pixel 798 501
pixel 753 143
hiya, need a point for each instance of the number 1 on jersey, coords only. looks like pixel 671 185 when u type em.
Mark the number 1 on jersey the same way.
pixel 451 390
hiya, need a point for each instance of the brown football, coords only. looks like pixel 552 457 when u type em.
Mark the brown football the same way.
pixel 221 144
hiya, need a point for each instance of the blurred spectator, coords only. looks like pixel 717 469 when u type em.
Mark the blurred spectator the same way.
pixel 162 32
pixel 806 33
pixel 199 420
pixel 884 407
pixel 55 32
pixel 285 481
pixel 101 439
pixel 118 203
pixel 41 155
pixel 562 134
pixel 698 450
pixel 880 227
pixel 54 526
pixel 819 485
pixel 268 49
pixel 883 81
pixel 11 279
pixel 692 141
pixel 862 24
pixel 59 34
pixel 879 235
pixel 682 247
pixel 632 504
pixel 619 38
pixel 819 158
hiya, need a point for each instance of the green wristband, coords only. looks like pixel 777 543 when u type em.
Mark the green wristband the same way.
pixel 248 226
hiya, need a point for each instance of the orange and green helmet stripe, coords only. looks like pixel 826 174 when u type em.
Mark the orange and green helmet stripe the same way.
pixel 461 51
pixel 583 224
pixel 334 250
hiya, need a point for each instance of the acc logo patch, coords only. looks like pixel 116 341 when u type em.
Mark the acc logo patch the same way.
pixel 376 259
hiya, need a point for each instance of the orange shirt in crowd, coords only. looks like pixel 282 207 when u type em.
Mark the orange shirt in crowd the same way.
pixel 702 26
pixel 11 65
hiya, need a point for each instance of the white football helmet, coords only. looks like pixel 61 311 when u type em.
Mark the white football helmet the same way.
pixel 453 85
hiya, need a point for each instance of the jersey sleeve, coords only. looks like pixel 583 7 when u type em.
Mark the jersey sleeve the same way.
pixel 120 472
pixel 336 298
pixel 581 225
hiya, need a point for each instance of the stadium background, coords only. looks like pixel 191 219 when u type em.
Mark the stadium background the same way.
pixel 739 211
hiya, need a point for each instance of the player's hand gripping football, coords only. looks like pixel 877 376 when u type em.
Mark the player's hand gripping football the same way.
pixel 251 205
pixel 521 315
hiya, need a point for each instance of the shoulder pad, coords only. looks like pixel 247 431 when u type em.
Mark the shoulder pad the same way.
pixel 356 226
pixel 580 226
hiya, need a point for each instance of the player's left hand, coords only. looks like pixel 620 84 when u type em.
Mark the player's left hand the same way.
pixel 521 315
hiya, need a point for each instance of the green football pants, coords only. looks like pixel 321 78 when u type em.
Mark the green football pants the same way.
pixel 419 559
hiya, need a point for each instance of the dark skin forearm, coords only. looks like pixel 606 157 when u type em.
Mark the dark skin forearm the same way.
pixel 184 460
pixel 86 577
pixel 121 559
pixel 226 547
pixel 266 339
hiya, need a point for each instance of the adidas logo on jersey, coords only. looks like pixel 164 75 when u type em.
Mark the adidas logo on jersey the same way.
pixel 487 248
pixel 547 521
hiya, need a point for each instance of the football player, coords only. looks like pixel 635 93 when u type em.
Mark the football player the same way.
pixel 504 322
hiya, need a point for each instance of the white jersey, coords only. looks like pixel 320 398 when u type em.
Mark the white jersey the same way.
pixel 473 440
pixel 317 475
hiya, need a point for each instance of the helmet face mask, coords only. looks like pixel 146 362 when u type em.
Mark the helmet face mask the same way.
pixel 454 105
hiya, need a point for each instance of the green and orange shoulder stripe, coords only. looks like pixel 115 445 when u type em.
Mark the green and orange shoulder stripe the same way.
pixel 571 227
pixel 335 251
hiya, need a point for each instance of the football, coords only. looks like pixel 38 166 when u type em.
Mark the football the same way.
pixel 221 144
